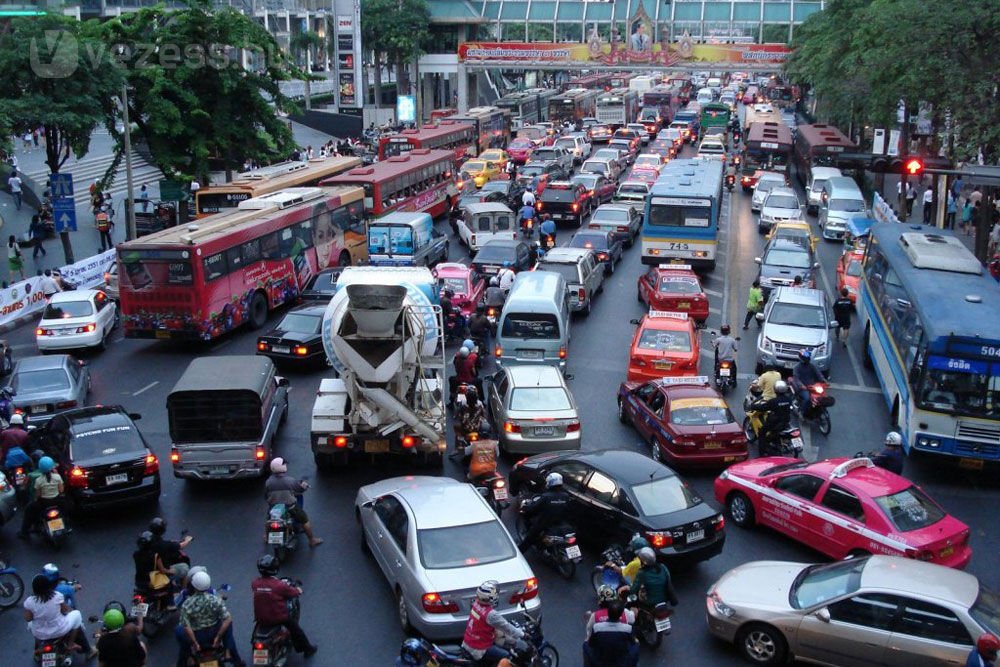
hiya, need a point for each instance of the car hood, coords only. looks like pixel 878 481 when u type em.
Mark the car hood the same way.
pixel 763 584
pixel 784 333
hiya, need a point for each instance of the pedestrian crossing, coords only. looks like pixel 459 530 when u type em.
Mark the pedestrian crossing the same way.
pixel 90 169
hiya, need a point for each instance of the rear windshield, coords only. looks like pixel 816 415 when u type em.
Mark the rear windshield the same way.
pixel 679 286
pixel 298 323
pixel 589 182
pixel 665 341
pixel 663 496
pixel 790 258
pixel 59 311
pixel 633 189
pixel 534 170
pixel 910 509
pixel 107 441
pixel 32 382
pixel 214 416
pixel 464 546
pixel 495 253
pixel 595 241
pixel 550 194
pixel 324 282
pixel 848 205
pixel 617 216
pixel 595 167
pixel 567 271
pixel 539 399
pixel 530 326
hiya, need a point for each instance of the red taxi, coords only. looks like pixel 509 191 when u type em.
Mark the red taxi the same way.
pixel 849 273
pixel 644 175
pixel 676 288
pixel 664 344
pixel 520 150
pixel 685 420
pixel 467 285
pixel 843 507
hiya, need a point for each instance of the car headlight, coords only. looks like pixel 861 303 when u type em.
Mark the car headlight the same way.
pixel 820 350
pixel 720 606
pixel 767 345
pixel 764 217
pixel 924 441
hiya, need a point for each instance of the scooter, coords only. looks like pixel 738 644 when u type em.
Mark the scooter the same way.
pixel 651 623
pixel 725 378
pixel 53 652
pixel 11 586
pixel 153 606
pixel 493 488
pixel 557 545
pixel 606 575
pixel 282 532
pixel 453 327
pixel 272 644
pixel 528 228
pixel 789 441
pixel 815 411
pixel 730 182
pixel 54 527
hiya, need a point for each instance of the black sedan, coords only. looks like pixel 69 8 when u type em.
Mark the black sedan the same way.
pixel 498 252
pixel 483 196
pixel 512 191
pixel 322 286
pixel 617 493
pixel 605 245
pixel 101 456
pixel 297 337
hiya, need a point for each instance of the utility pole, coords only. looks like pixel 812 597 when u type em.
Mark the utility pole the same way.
pixel 130 191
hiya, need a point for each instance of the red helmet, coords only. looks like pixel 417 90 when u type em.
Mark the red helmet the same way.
pixel 988 645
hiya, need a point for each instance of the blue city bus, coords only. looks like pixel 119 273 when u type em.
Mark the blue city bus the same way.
pixel 681 220
pixel 931 320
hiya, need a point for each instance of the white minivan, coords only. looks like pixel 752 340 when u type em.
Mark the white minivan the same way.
pixel 841 201
pixel 705 96
pixel 814 189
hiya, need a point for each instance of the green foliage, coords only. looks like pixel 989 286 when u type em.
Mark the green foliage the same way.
pixel 305 42
pixel 189 95
pixel 396 28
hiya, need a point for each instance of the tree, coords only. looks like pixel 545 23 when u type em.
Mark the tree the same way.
pixel 303 44
pixel 398 29
pixel 56 74
pixel 194 103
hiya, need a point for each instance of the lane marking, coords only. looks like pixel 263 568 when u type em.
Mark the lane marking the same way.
pixel 712 292
pixel 146 388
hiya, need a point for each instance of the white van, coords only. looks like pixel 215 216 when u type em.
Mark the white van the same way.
pixel 705 96
pixel 841 200
pixel 481 223
pixel 814 189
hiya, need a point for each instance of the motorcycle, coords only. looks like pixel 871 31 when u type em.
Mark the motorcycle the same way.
pixel 494 489
pixel 54 527
pixel 725 379
pixel 789 440
pixel 272 644
pixel 11 586
pixel 454 329
pixel 210 656
pixel 557 545
pixel 528 228
pixel 154 608
pixel 608 573
pixel 53 652
pixel 493 314
pixel 730 182
pixel 548 241
pixel 815 411
pixel 282 532
pixel 18 476
pixel 651 623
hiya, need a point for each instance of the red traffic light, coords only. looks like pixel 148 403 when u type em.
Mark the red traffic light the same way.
pixel 913 166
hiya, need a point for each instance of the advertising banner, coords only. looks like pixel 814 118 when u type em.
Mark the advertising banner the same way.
pixel 526 54
pixel 25 297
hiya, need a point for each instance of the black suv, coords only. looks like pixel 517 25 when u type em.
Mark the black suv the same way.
pixel 101 456
pixel 512 191
pixel 565 200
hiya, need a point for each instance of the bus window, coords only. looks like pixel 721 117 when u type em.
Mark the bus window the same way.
pixel 215 266
pixel 233 258
pixel 269 246
pixel 250 251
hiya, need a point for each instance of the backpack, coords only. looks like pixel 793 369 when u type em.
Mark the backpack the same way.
pixel 102 222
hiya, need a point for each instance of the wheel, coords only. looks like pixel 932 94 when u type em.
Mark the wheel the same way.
pixel 866 357
pixel 549 656
pixel 748 431
pixel 655 452
pixel 344 259
pixel 404 613
pixel 762 645
pixel 258 311
pixel 646 630
pixel 622 413
pixel 597 578
pixel 824 422
pixel 11 589
pixel 284 415
pixel 638 295
pixel 566 569
pixel 740 509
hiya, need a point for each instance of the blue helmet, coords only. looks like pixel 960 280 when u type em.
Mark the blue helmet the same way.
pixel 507 265
pixel 46 464
pixel 51 570
pixel 413 653
pixel 805 355
pixel 637 543
pixel 469 344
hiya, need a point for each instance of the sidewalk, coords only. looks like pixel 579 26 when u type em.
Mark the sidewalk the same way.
pixel 891 194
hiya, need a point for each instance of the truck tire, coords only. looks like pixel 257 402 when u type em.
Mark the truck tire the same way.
pixel 257 312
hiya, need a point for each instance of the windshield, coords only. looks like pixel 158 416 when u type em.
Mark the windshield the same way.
pixel 817 584
pixel 324 282
pixel 700 412
pixel 854 268
pixel 962 386
pixel 456 285
pixel 531 171
pixel 495 253
pixel 678 216
pixel 167 268
pixel 847 205
pixel 567 271
pixel 495 186
pixel 522 144
pixel 473 166
pixel 589 182
pixel 910 509
pixel 633 189
pixel 986 610
pixel 797 315
pixel 792 258
pixel 595 167
pixel 32 382
pixel 65 309
pixel 568 144
pixel 539 399
pixel 299 323
pixel 464 546
pixel 766 184
pixel 621 144
pixel 607 154
pixel 670 285
pixel 107 441
pixel 647 161
pixel 782 201
pixel 664 341
pixel 663 496
pixel 610 215
pixel 530 326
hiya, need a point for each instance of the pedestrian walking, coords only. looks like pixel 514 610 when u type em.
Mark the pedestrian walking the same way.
pixel 755 303
pixel 309 152
pixel 48 285
pixel 37 232
pixel 103 224
pixel 967 210
pixel 34 137
pixel 911 198
pixel 144 197
pixel 27 141
pixel 952 209
pixel 994 242
pixel 15 260
pixel 14 185
pixel 928 205
pixel 842 308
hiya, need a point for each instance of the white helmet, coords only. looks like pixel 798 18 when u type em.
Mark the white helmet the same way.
pixel 780 387
pixel 893 439
pixel 201 581
pixel 488 592
pixel 463 351
pixel 553 480
pixel 17 419
pixel 278 465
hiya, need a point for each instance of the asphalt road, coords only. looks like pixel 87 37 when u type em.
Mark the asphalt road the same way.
pixel 348 610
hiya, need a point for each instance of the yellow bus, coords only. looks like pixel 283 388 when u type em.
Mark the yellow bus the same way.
pixel 264 181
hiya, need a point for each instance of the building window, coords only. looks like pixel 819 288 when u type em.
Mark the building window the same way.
pixel 569 32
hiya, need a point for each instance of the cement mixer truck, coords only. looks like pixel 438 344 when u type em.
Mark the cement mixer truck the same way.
pixel 383 334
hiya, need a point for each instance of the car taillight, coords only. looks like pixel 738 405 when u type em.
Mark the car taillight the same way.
pixel 576 207
pixel 434 604
pixel 259 454
pixel 41 332
pixel 573 427
pixel 498 352
pixel 659 540
pixel 621 228
pixel 582 293
pixel 409 441
pixel 87 328
pixel 562 352
pixel 261 346
pixel 78 478
pixel 637 361
pixel 473 237
pixel 920 554
pixel 175 456
pixel 340 441
pixel 152 464
pixel 719 522
pixel 65 405
pixel 528 592
pixel 301 350
pixel 511 427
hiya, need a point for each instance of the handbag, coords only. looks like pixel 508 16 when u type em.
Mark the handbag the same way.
pixel 158 579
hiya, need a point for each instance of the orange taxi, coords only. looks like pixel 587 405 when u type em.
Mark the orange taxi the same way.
pixel 674 288
pixel 665 344
pixel 849 273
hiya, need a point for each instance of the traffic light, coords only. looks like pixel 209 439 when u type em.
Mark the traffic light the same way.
pixel 913 166
pixel 886 164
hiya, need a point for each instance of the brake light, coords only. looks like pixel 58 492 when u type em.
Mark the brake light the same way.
pixel 52 513
pixel 175 456
pixel 472 437
pixel 409 441
pixel 529 592
pixel 818 389
pixel 301 350
pixel 259 646
pixel 78 478
pixel 434 604
pixel 275 525
pixel 473 237
pixel 719 522
pixel 262 346
pixel 920 554
pixel 562 352
pixel 573 427
pixel 41 332
pixel 65 405
pixel 576 207
pixel 259 454
pixel 659 540
pixel 724 364
pixel 538 206
pixel 590 193
pixel 638 362
pixel 152 464
pixel 499 484
pixel 511 427
pixel 87 328
pixel 340 441
pixel 498 352
pixel 582 294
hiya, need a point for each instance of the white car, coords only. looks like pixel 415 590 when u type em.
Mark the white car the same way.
pixel 780 205
pixel 576 144
pixel 648 161
pixel 713 148
pixel 767 181
pixel 641 129
pixel 76 319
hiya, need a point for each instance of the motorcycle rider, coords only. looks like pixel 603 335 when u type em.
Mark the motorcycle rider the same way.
pixel 479 326
pixel 470 417
pixel 891 457
pixel 726 348
pixel 779 414
pixel 610 643
pixel 506 277
pixel 545 510
pixel 118 644
pixel 484 622
pixel 627 572
pixel 15 435
pixel 49 618
pixel 653 578
pixel 766 382
pixel 495 295
pixel 171 552
pixel 475 358
pixel 527 216
pixel 483 458
pixel 547 231
pixel 448 311
pixel 147 561
pixel 804 375
pixel 68 590
pixel 204 622
pixel 984 653
pixel 48 490
pixel 605 597
pixel 270 603
pixel 280 488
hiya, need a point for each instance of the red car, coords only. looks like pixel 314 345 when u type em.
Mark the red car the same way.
pixel 664 344
pixel 520 150
pixel 467 285
pixel 644 175
pixel 849 273
pixel 686 421
pixel 843 507
pixel 675 288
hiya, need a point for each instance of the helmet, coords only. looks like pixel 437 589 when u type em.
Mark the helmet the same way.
pixel 267 565
pixel 278 465
pixel 46 464
pixel 36 456
pixel 158 526
pixel 462 352
pixel 494 282
pixel 144 540
pixel 893 439
pixel 780 387
pixel 413 654
pixel 201 581
pixel 605 593
pixel 646 556
pixel 725 329
pixel 17 419
pixel 988 645
pixel 469 344
pixel 51 570
pixel 471 393
pixel 449 293
pixel 488 592
pixel 637 543
pixel 481 307
pixel 553 480
pixel 507 265
pixel 805 355
pixel 113 619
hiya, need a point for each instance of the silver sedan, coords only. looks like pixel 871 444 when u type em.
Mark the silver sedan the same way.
pixel 533 409
pixel 44 386
pixel 436 540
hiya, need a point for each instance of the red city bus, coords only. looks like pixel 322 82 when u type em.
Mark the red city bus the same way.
pixel 198 281
pixel 665 99
pixel 492 126
pixel 768 146
pixel 818 146
pixel 682 82
pixel 440 114
pixel 421 180
pixel 597 81
pixel 448 134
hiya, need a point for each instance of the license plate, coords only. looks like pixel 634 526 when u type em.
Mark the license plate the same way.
pixel 64 332
pixel 140 609
pixel 712 445
pixel 55 524
pixel 684 305
pixel 376 446
pixel 280 349
pixel 797 442
pixel 163 334
pixel 260 656
pixel 695 535
pixel 49 662
pixel 500 494
pixel 544 430
pixel 663 625
pixel 970 464
pixel 946 552
pixel 530 354
pixel 725 372
pixel 573 551
pixel 120 478
pixel 558 216
pixel 490 269
pixel 276 538
pixel 35 409
pixel 218 470
pixel 208 663
pixel 663 365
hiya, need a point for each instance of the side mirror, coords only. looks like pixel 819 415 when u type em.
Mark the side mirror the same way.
pixel 134 416
pixel 834 324
pixel 823 614
pixel 283 382
pixel 757 259
pixel 636 322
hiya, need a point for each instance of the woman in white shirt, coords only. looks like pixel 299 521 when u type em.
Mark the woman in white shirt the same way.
pixel 49 618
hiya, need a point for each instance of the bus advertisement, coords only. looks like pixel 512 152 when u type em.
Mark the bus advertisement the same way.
pixel 492 126
pixel 452 135
pixel 768 146
pixel 818 145
pixel 573 105
pixel 422 180
pixel 200 281
pixel 931 321
pixel 681 219
pixel 617 107
pixel 258 182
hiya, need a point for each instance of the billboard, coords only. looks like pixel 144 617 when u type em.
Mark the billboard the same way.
pixel 596 52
